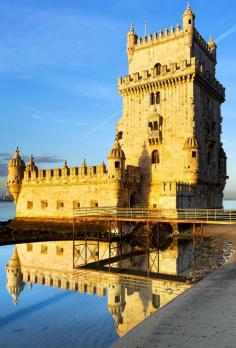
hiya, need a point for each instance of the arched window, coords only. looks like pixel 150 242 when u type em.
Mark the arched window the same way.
pixel 155 157
pixel 157 97
pixel 157 68
pixel 117 164
pixel 152 98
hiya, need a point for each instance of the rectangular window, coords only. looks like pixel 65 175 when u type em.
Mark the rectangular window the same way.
pixel 93 204
pixel 120 135
pixel 44 249
pixel 44 204
pixel 29 205
pixel 194 154
pixel 60 205
pixel 76 204
pixel 29 247
pixel 59 251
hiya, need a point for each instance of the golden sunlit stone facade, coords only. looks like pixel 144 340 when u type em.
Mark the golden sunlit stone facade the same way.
pixel 168 152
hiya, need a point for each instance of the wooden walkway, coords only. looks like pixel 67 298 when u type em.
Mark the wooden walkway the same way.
pixel 184 216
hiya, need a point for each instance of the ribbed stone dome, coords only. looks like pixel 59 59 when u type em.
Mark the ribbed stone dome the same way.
pixel 16 160
pixel 116 152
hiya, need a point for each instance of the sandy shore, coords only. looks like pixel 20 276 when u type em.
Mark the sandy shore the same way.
pixel 203 316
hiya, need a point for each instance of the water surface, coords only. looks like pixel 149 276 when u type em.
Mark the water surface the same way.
pixel 45 302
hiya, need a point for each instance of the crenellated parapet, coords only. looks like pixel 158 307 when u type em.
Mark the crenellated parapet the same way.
pixel 168 75
pixel 188 31
pixel 162 36
pixel 164 75
pixel 66 175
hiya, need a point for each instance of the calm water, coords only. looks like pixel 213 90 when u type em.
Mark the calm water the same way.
pixel 7 211
pixel 46 303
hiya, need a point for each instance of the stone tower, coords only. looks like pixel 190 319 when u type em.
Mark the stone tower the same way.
pixel 16 167
pixel 15 282
pixel 171 123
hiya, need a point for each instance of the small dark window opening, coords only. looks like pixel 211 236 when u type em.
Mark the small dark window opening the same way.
pixel 189 21
pixel 155 125
pixel 120 135
pixel 194 154
pixel 150 126
pixel 117 164
pixel 158 68
pixel 59 172
pixel 157 97
pixel 44 173
pixel 155 157
pixel 117 299
pixel 152 99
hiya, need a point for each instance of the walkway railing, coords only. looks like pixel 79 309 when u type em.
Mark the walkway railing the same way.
pixel 149 214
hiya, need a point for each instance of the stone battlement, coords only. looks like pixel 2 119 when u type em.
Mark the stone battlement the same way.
pixel 76 175
pixel 173 33
pixel 174 72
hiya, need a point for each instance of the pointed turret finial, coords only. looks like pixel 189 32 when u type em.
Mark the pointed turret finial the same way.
pixel 212 43
pixel 17 153
pixel 188 10
pixel 84 164
pixel 65 164
pixel 132 28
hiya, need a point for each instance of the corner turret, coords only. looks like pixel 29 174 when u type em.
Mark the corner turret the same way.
pixel 212 45
pixel 116 303
pixel 116 160
pixel 15 282
pixel 191 147
pixel 131 42
pixel 16 168
pixel 188 20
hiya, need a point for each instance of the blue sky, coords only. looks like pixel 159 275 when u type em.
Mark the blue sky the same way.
pixel 59 63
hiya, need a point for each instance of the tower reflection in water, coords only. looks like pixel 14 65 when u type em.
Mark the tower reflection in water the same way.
pixel 130 298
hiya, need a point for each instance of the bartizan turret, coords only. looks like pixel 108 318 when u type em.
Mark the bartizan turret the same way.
pixel 116 161
pixel 116 302
pixel 192 148
pixel 212 45
pixel 16 168
pixel 131 42
pixel 15 282
pixel 188 20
